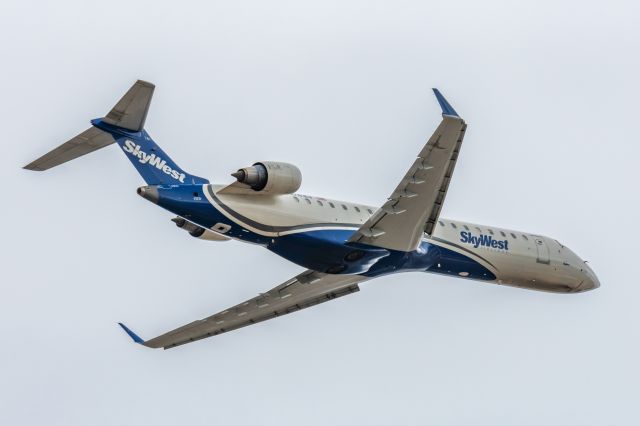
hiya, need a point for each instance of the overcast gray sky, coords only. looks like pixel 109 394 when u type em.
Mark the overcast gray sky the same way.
pixel 342 89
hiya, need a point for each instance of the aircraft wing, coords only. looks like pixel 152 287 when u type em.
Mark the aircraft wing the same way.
pixel 307 289
pixel 414 206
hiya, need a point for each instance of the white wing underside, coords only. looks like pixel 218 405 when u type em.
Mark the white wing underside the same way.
pixel 414 206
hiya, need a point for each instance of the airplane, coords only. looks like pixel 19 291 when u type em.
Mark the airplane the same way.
pixel 340 244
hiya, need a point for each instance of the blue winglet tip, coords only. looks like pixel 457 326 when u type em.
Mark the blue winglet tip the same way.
pixel 447 109
pixel 131 334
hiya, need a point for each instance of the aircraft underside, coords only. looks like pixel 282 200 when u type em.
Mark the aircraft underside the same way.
pixel 341 244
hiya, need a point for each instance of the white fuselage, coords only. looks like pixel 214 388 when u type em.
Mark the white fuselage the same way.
pixel 516 258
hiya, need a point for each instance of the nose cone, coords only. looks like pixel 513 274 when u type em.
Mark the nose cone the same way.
pixel 590 282
pixel 149 192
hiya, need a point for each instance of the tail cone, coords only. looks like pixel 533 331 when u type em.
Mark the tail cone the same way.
pixel 149 192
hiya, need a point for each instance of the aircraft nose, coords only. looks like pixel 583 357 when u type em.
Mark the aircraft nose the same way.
pixel 594 281
pixel 149 192
pixel 590 282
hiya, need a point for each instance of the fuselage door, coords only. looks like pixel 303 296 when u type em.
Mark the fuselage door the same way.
pixel 542 249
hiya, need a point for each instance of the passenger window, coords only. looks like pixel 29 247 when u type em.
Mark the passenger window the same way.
pixel 344 207
pixel 478 228
pixel 525 237
pixel 319 203
pixel 453 225
pixel 296 198
pixel 307 200
pixel 441 223
pixel 333 206
pixel 491 231
pixel 465 227
pixel 369 210
pixel 503 234
pixel 513 236
pixel 357 209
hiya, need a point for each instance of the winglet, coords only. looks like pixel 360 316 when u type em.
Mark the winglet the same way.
pixel 131 334
pixel 447 109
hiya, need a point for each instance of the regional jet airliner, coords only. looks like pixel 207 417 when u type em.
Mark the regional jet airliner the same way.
pixel 340 244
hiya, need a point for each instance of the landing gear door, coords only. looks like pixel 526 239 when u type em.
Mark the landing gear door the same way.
pixel 542 250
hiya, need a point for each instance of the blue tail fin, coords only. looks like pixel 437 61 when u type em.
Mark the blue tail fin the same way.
pixel 124 124
pixel 153 164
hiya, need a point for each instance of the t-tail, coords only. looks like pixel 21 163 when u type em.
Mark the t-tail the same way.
pixel 124 125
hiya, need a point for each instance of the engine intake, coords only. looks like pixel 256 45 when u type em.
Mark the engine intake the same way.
pixel 270 177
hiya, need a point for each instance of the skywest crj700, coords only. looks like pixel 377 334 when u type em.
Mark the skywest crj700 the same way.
pixel 341 244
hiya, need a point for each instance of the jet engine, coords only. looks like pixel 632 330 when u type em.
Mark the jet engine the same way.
pixel 270 177
pixel 198 231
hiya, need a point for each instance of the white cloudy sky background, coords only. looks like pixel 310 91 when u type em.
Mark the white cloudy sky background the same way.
pixel 342 89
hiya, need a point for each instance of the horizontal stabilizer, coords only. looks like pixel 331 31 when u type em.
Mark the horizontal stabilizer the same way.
pixel 131 334
pixel 86 142
pixel 131 111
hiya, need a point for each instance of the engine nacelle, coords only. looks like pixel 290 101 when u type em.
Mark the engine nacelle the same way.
pixel 198 231
pixel 270 177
